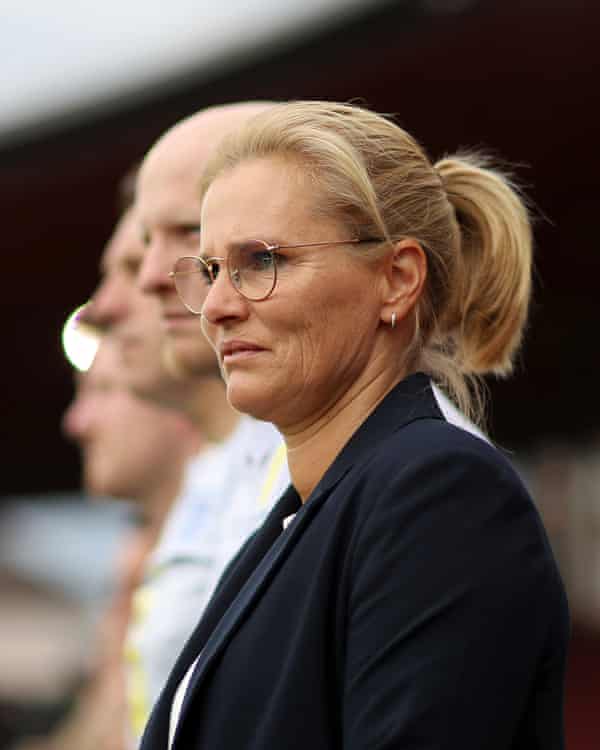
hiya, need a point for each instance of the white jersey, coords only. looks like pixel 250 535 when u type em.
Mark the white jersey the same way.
pixel 228 490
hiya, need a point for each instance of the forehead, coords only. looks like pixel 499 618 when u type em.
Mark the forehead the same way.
pixel 168 181
pixel 167 194
pixel 167 186
pixel 125 243
pixel 267 198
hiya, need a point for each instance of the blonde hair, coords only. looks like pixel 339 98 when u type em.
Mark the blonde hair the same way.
pixel 468 217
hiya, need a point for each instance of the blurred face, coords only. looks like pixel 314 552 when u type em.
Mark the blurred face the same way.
pixel 312 344
pixel 168 206
pixel 119 461
pixel 132 318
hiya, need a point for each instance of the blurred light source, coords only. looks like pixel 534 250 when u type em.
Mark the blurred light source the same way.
pixel 80 341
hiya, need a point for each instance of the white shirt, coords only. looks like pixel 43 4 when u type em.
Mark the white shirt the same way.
pixel 228 491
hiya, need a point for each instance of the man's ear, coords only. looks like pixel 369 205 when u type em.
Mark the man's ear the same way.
pixel 405 272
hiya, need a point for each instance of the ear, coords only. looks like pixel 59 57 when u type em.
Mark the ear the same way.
pixel 405 272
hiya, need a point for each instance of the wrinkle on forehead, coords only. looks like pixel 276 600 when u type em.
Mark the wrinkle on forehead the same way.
pixel 268 198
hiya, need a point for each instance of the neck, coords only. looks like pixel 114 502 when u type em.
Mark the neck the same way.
pixel 158 503
pixel 211 411
pixel 313 445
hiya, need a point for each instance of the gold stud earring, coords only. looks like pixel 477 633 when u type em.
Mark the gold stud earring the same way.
pixel 393 322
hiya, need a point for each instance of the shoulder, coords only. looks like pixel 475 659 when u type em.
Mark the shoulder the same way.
pixel 444 452
pixel 433 493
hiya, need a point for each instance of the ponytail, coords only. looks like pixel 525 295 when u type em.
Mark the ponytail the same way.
pixel 491 283
pixel 468 217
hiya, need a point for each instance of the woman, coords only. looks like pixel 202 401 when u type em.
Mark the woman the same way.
pixel 402 593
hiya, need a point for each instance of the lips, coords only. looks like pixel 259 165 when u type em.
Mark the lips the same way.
pixel 237 348
pixel 178 318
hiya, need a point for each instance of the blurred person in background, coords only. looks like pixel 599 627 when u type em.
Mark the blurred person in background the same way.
pixel 133 449
pixel 402 593
pixel 232 484
pixel 130 448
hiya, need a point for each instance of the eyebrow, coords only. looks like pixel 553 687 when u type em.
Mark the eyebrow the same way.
pixel 235 244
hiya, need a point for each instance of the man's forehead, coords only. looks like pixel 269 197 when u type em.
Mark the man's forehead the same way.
pixel 125 245
pixel 169 177
pixel 169 193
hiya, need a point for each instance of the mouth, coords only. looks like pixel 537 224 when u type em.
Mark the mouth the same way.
pixel 178 318
pixel 235 351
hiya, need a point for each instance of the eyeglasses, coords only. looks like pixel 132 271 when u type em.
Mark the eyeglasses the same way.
pixel 251 267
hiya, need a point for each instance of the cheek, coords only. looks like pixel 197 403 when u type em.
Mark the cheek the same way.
pixel 336 327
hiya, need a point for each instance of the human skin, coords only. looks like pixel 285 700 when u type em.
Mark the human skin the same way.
pixel 318 355
pixel 168 209
pixel 144 464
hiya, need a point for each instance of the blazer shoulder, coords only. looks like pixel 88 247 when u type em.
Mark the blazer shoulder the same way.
pixel 437 441
pixel 432 486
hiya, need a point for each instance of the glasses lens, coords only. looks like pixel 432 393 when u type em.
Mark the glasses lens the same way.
pixel 252 269
pixel 192 282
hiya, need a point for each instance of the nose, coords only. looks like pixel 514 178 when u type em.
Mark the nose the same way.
pixel 153 275
pixel 109 305
pixel 223 303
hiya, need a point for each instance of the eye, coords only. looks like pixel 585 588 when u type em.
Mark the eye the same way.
pixel 189 233
pixel 211 270
pixel 259 259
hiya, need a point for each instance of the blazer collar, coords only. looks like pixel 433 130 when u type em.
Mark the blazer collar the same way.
pixel 410 400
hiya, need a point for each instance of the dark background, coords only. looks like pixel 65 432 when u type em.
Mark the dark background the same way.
pixel 518 77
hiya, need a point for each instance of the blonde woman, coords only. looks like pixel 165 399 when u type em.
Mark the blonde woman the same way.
pixel 402 593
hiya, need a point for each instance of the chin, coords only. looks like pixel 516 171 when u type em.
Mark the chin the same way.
pixel 150 386
pixel 97 486
pixel 185 359
pixel 253 401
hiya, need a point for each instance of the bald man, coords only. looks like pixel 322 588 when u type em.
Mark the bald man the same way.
pixel 229 487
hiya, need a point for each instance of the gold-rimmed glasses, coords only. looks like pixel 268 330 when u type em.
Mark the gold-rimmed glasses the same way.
pixel 251 267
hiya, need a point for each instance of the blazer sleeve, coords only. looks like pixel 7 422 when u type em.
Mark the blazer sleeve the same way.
pixel 452 596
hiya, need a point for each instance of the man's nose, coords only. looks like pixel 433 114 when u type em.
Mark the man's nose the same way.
pixel 153 276
pixel 109 305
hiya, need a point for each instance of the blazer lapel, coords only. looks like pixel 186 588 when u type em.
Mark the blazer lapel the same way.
pixel 252 573
pixel 250 592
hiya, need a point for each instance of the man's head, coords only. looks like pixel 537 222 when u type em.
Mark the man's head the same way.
pixel 132 318
pixel 130 447
pixel 168 209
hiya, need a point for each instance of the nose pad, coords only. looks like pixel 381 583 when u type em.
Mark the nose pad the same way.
pixel 222 302
pixel 236 278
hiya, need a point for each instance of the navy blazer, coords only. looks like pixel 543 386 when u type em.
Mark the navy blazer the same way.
pixel 412 603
